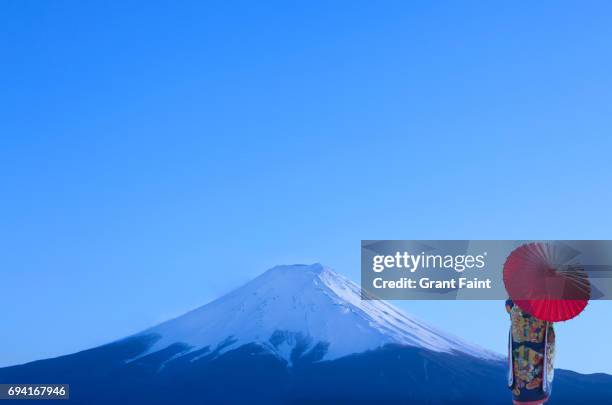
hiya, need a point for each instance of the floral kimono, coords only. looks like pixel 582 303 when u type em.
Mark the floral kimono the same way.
pixel 531 349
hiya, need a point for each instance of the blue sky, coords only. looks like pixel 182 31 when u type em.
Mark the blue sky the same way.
pixel 155 155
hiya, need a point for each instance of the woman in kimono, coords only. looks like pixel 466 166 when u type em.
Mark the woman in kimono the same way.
pixel 531 350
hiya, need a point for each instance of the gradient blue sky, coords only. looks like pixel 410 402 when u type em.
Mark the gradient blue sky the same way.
pixel 154 155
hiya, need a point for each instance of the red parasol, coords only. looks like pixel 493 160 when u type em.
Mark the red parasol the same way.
pixel 539 280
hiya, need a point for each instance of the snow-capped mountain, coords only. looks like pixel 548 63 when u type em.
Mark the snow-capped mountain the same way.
pixel 306 308
pixel 294 334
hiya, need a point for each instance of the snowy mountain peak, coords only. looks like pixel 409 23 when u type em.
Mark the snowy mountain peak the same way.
pixel 302 310
pixel 315 268
pixel 293 275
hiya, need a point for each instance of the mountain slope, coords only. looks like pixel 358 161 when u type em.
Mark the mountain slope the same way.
pixel 251 374
pixel 308 308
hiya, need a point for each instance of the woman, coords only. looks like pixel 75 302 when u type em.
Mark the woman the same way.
pixel 531 349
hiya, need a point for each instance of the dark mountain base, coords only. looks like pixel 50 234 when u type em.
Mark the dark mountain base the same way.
pixel 392 374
